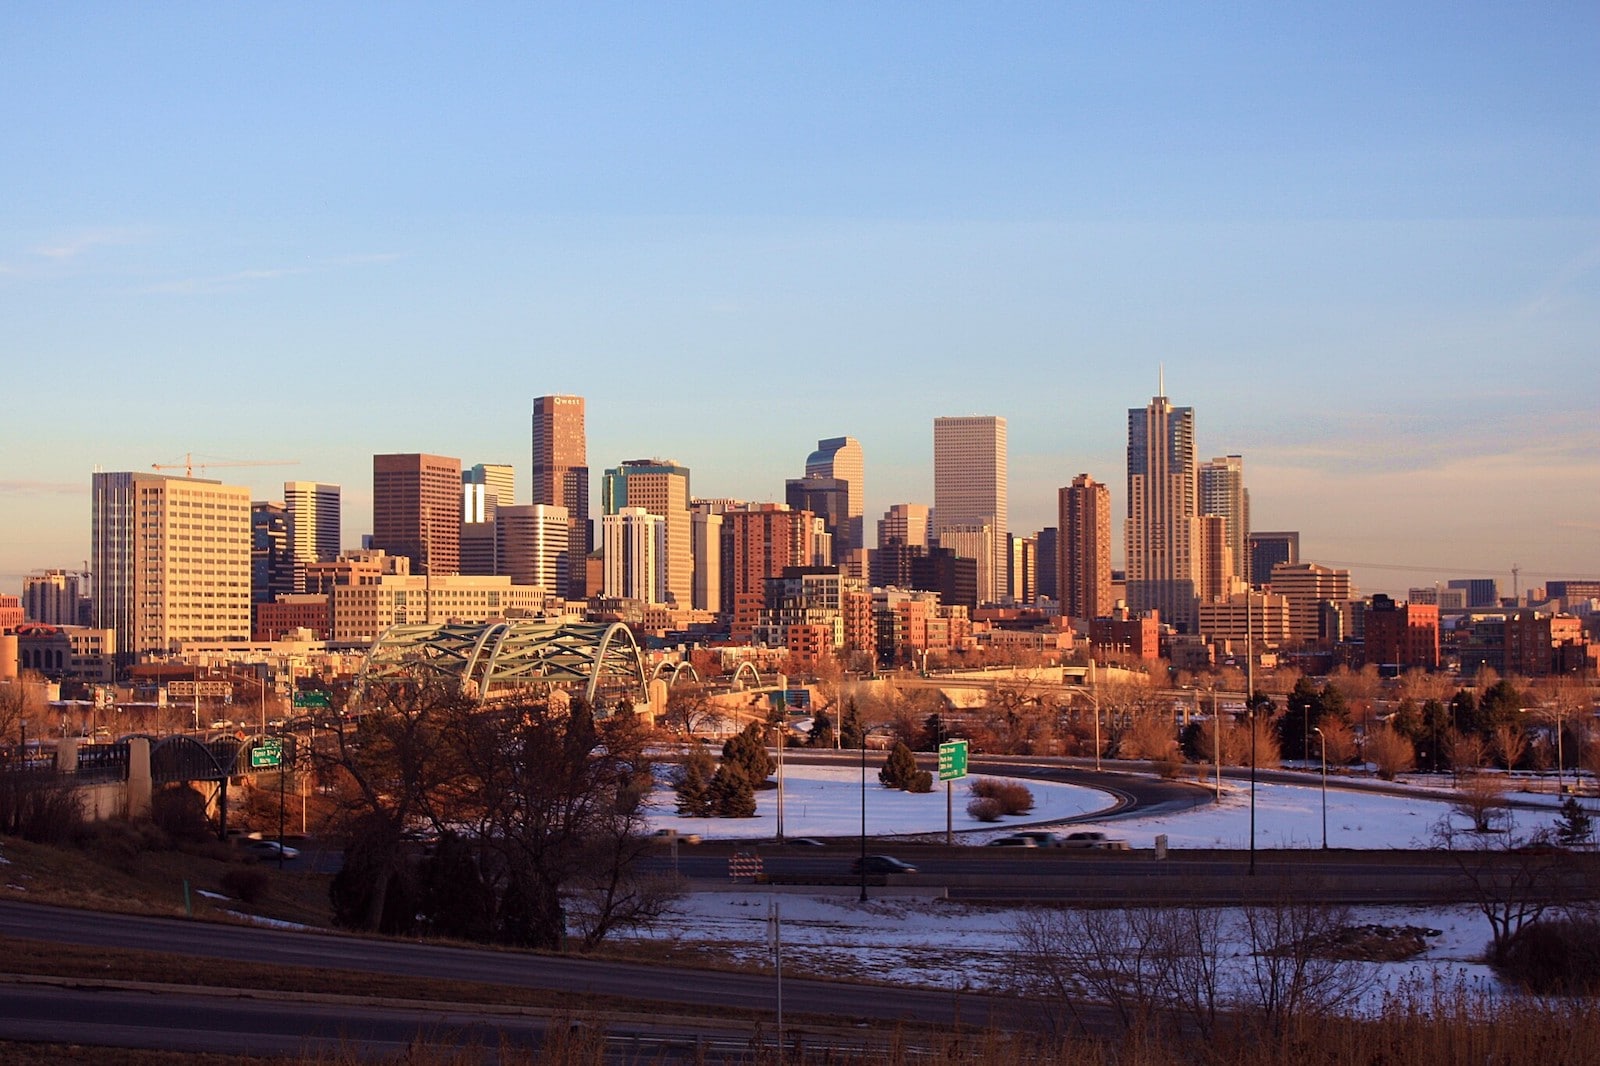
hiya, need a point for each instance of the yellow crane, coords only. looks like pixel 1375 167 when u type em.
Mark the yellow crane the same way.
pixel 188 465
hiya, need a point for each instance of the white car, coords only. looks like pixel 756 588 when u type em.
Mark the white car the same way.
pixel 1090 838
pixel 269 849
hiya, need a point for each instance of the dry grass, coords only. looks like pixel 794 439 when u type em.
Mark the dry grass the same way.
pixel 99 877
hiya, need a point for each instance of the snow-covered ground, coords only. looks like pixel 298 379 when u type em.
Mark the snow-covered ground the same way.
pixel 946 944
pixel 826 801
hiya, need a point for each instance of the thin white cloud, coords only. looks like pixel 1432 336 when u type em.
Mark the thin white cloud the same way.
pixel 73 245
pixel 242 279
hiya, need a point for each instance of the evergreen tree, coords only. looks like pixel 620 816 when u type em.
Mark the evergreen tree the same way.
pixel 694 782
pixel 749 750
pixel 1436 727
pixel 821 731
pixel 1575 826
pixel 732 792
pixel 851 733
pixel 933 732
pixel 899 769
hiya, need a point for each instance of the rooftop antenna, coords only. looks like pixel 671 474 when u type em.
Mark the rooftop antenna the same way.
pixel 1161 379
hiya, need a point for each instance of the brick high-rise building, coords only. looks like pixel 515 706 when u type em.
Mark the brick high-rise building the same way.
pixel 1402 634
pixel 416 510
pixel 758 542
pixel 1083 549
pixel 561 477
pixel 1162 530
pixel 970 488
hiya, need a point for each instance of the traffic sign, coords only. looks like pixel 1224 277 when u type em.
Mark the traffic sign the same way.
pixel 311 698
pixel 200 688
pixel 267 754
pixel 952 760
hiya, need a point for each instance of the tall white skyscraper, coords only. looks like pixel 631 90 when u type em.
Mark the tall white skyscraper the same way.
pixel 314 525
pixel 634 543
pixel 484 487
pixel 969 481
pixel 1222 492
pixel 1162 532
pixel 170 560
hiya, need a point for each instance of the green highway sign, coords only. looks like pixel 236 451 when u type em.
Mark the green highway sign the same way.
pixel 268 753
pixel 311 699
pixel 952 760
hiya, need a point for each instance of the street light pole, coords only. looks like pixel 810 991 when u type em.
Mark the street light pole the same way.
pixel 1250 708
pixel 861 732
pixel 1324 738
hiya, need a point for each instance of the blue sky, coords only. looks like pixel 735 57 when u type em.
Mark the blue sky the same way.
pixel 1364 242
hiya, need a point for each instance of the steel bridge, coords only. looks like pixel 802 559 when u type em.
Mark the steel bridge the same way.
pixel 504 660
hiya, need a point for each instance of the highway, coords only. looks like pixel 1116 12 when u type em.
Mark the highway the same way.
pixel 240 1021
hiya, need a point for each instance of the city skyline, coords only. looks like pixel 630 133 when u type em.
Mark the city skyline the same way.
pixel 1365 243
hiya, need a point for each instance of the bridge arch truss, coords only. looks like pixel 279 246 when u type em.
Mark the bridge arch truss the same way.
pixel 500 660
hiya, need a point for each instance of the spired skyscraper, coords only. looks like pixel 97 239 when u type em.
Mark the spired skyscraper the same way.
pixel 1162 533
pixel 969 490
pixel 561 477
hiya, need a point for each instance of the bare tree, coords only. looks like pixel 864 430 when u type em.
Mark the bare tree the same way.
pixel 1292 974
pixel 1480 797
pixel 1514 878
pixel 1392 753
pixel 690 711
pixel 1467 752
pixel 1509 744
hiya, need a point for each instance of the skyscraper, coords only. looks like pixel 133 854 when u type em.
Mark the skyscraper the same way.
pixel 416 510
pixel 907 523
pixel 533 545
pixel 170 560
pixel 969 483
pixel 314 525
pixel 1083 544
pixel 1162 531
pixel 635 542
pixel 271 563
pixel 1222 492
pixel 561 477
pixel 487 486
pixel 661 487
pixel 1268 550
pixel 840 458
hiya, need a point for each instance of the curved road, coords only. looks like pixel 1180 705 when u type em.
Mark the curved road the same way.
pixel 266 1022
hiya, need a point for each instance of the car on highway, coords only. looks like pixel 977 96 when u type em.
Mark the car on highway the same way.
pixel 881 864
pixel 672 836
pixel 1042 837
pixel 1094 839
pixel 1015 841
pixel 804 842
pixel 270 849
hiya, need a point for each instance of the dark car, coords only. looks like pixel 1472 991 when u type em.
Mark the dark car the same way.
pixel 881 864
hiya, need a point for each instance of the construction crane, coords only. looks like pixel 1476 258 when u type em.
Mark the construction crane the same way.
pixel 188 465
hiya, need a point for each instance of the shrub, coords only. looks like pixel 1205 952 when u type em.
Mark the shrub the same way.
pixel 985 809
pixel 246 883
pixel 900 768
pixel 1391 753
pixel 1012 796
pixel 1558 956
pixel 180 812
pixel 39 807
pixel 921 781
